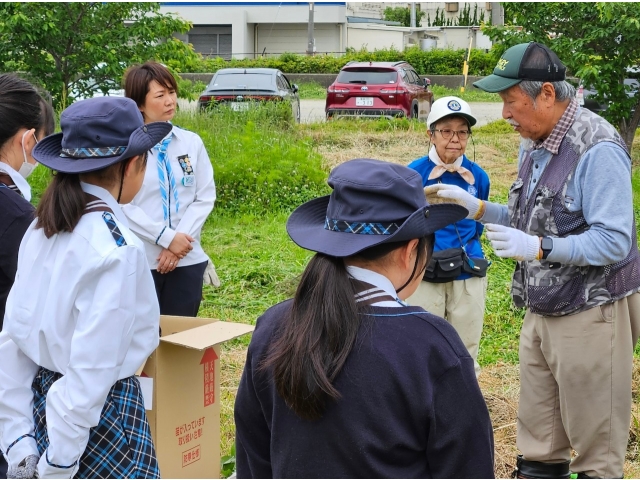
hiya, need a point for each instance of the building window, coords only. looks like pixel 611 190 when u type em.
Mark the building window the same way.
pixel 451 6
pixel 211 41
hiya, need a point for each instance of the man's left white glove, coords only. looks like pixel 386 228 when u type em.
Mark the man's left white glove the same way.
pixel 27 468
pixel 513 243
pixel 210 276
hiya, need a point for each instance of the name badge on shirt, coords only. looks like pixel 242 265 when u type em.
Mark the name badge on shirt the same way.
pixel 188 180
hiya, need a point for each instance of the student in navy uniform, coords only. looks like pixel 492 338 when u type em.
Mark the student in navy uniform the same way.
pixel 176 197
pixel 22 122
pixel 460 299
pixel 345 380
pixel 82 315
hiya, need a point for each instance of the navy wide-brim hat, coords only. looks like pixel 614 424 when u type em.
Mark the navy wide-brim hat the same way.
pixel 96 133
pixel 372 202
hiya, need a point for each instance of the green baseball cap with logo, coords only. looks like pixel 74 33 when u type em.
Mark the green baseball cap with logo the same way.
pixel 525 61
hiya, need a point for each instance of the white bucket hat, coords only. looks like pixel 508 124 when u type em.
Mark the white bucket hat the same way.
pixel 446 106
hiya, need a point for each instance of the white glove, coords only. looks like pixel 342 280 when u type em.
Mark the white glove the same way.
pixel 443 193
pixel 27 468
pixel 513 243
pixel 210 276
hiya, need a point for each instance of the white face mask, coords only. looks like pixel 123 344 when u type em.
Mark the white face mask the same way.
pixel 27 168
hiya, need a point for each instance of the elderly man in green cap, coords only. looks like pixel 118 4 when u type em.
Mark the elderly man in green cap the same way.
pixel 570 226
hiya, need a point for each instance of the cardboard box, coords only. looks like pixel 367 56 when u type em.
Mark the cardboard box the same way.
pixel 185 414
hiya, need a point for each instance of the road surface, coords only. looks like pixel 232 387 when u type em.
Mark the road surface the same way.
pixel 485 112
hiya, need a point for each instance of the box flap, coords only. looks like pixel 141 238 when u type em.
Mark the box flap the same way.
pixel 209 335
pixel 172 324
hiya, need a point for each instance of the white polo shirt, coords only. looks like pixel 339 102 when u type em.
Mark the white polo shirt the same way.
pixel 196 198
pixel 82 306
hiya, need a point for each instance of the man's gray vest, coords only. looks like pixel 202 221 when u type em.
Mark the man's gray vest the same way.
pixel 551 288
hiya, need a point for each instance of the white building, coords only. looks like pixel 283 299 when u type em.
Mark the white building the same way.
pixel 249 29
pixel 252 29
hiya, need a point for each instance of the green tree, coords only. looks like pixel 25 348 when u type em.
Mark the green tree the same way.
pixel 75 49
pixel 402 15
pixel 598 42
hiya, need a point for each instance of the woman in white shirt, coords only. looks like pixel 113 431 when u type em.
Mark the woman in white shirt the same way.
pixel 82 316
pixel 176 197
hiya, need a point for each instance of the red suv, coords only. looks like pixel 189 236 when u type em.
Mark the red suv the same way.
pixel 388 89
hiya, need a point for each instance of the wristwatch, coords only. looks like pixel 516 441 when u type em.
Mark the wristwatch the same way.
pixel 546 245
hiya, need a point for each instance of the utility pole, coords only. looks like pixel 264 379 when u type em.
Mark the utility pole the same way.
pixel 413 14
pixel 311 42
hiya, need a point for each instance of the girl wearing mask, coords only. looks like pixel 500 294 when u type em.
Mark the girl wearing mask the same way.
pixel 25 117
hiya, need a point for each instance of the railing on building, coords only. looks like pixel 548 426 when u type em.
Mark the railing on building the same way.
pixel 229 56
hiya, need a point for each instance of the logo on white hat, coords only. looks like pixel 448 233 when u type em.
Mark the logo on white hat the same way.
pixel 454 105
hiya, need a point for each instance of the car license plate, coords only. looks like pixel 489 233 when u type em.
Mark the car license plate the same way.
pixel 239 106
pixel 364 101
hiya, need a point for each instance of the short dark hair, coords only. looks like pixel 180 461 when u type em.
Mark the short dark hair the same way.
pixel 137 79
pixel 20 106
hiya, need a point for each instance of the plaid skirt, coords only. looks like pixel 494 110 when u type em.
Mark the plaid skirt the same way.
pixel 120 446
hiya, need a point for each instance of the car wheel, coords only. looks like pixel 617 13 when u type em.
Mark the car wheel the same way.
pixel 298 114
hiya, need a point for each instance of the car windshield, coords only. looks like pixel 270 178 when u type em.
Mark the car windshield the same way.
pixel 245 81
pixel 368 76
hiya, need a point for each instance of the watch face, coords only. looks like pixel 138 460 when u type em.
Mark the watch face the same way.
pixel 547 243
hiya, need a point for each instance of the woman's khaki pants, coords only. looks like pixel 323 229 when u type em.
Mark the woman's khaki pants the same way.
pixel 461 303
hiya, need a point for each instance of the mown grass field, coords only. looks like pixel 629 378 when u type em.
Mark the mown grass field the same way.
pixel 265 166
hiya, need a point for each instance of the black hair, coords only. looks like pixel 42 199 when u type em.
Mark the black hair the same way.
pixel 321 328
pixel 20 107
pixel 63 202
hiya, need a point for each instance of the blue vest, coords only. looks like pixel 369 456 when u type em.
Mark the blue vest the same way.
pixel 469 230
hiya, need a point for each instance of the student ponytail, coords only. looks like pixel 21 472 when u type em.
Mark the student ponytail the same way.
pixel 320 330
pixel 62 204
pixel 316 338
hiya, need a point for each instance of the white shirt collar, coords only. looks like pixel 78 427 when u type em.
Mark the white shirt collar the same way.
pixel 377 280
pixel 104 195
pixel 18 179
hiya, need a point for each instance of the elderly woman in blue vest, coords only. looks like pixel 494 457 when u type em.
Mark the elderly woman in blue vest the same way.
pixel 454 285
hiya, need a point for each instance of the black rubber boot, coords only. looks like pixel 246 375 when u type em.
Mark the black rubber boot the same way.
pixel 531 469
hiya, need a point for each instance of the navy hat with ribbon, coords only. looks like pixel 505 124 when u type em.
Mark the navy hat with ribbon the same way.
pixel 372 202
pixel 97 133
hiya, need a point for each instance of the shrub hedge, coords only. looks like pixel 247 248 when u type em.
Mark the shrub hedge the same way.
pixel 426 62
pixel 260 165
